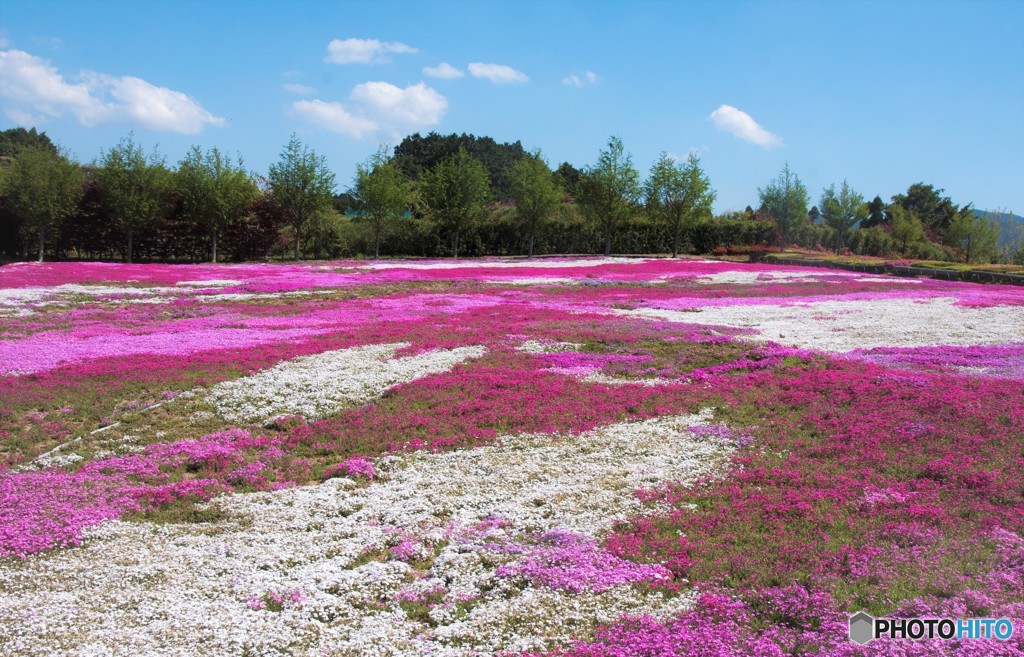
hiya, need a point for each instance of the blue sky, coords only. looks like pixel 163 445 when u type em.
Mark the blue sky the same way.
pixel 882 94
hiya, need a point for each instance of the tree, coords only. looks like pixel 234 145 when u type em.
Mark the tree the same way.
pixel 609 189
pixel 133 187
pixel 535 192
pixel 416 155
pixel 785 200
pixel 214 192
pixel 678 193
pixel 876 213
pixel 455 192
pixel 935 211
pixel 976 237
pixel 43 188
pixel 842 212
pixel 302 184
pixel 906 228
pixel 568 178
pixel 15 139
pixel 382 191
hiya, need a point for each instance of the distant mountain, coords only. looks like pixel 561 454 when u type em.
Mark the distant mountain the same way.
pixel 1011 226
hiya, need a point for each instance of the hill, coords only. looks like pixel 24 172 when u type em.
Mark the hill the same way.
pixel 1011 226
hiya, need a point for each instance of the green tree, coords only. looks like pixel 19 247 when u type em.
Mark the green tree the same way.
pixel 976 237
pixel 678 193
pixel 302 185
pixel 455 192
pixel 935 211
pixel 905 228
pixel 876 213
pixel 535 192
pixel 568 178
pixel 416 155
pixel 609 190
pixel 785 200
pixel 214 192
pixel 842 212
pixel 382 191
pixel 43 188
pixel 15 139
pixel 134 187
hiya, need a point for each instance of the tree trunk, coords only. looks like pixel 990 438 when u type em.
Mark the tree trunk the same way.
pixel 533 232
pixel 376 239
pixel 608 239
pixel 298 237
pixel 131 245
pixel 455 244
pixel 213 248
pixel 42 244
pixel 675 243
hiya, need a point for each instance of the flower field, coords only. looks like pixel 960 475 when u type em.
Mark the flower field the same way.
pixel 554 457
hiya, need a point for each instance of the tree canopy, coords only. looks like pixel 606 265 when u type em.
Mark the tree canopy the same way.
pixel 535 192
pixel 302 185
pixel 134 187
pixel 785 200
pixel 416 155
pixel 214 191
pixel 15 139
pixel 381 191
pixel 43 187
pixel 842 212
pixel 609 190
pixel 455 192
pixel 678 193
pixel 935 211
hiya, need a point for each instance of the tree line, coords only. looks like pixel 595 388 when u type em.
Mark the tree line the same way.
pixel 438 195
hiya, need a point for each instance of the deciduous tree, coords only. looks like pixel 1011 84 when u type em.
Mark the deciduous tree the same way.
pixel 678 193
pixel 214 192
pixel 976 237
pixel 43 188
pixel 134 187
pixel 382 191
pixel 455 192
pixel 610 189
pixel 535 192
pixel 301 184
pixel 905 228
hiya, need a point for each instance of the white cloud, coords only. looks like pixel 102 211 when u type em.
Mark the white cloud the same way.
pixel 416 106
pixel 741 124
pixel 578 81
pixel 334 117
pixel 364 51
pixel 378 107
pixel 32 86
pixel 159 108
pixel 497 73
pixel 444 70
pixel 299 89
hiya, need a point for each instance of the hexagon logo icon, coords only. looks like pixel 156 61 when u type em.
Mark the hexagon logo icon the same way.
pixel 862 628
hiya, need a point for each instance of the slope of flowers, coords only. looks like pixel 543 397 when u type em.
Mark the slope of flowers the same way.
pixel 503 455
